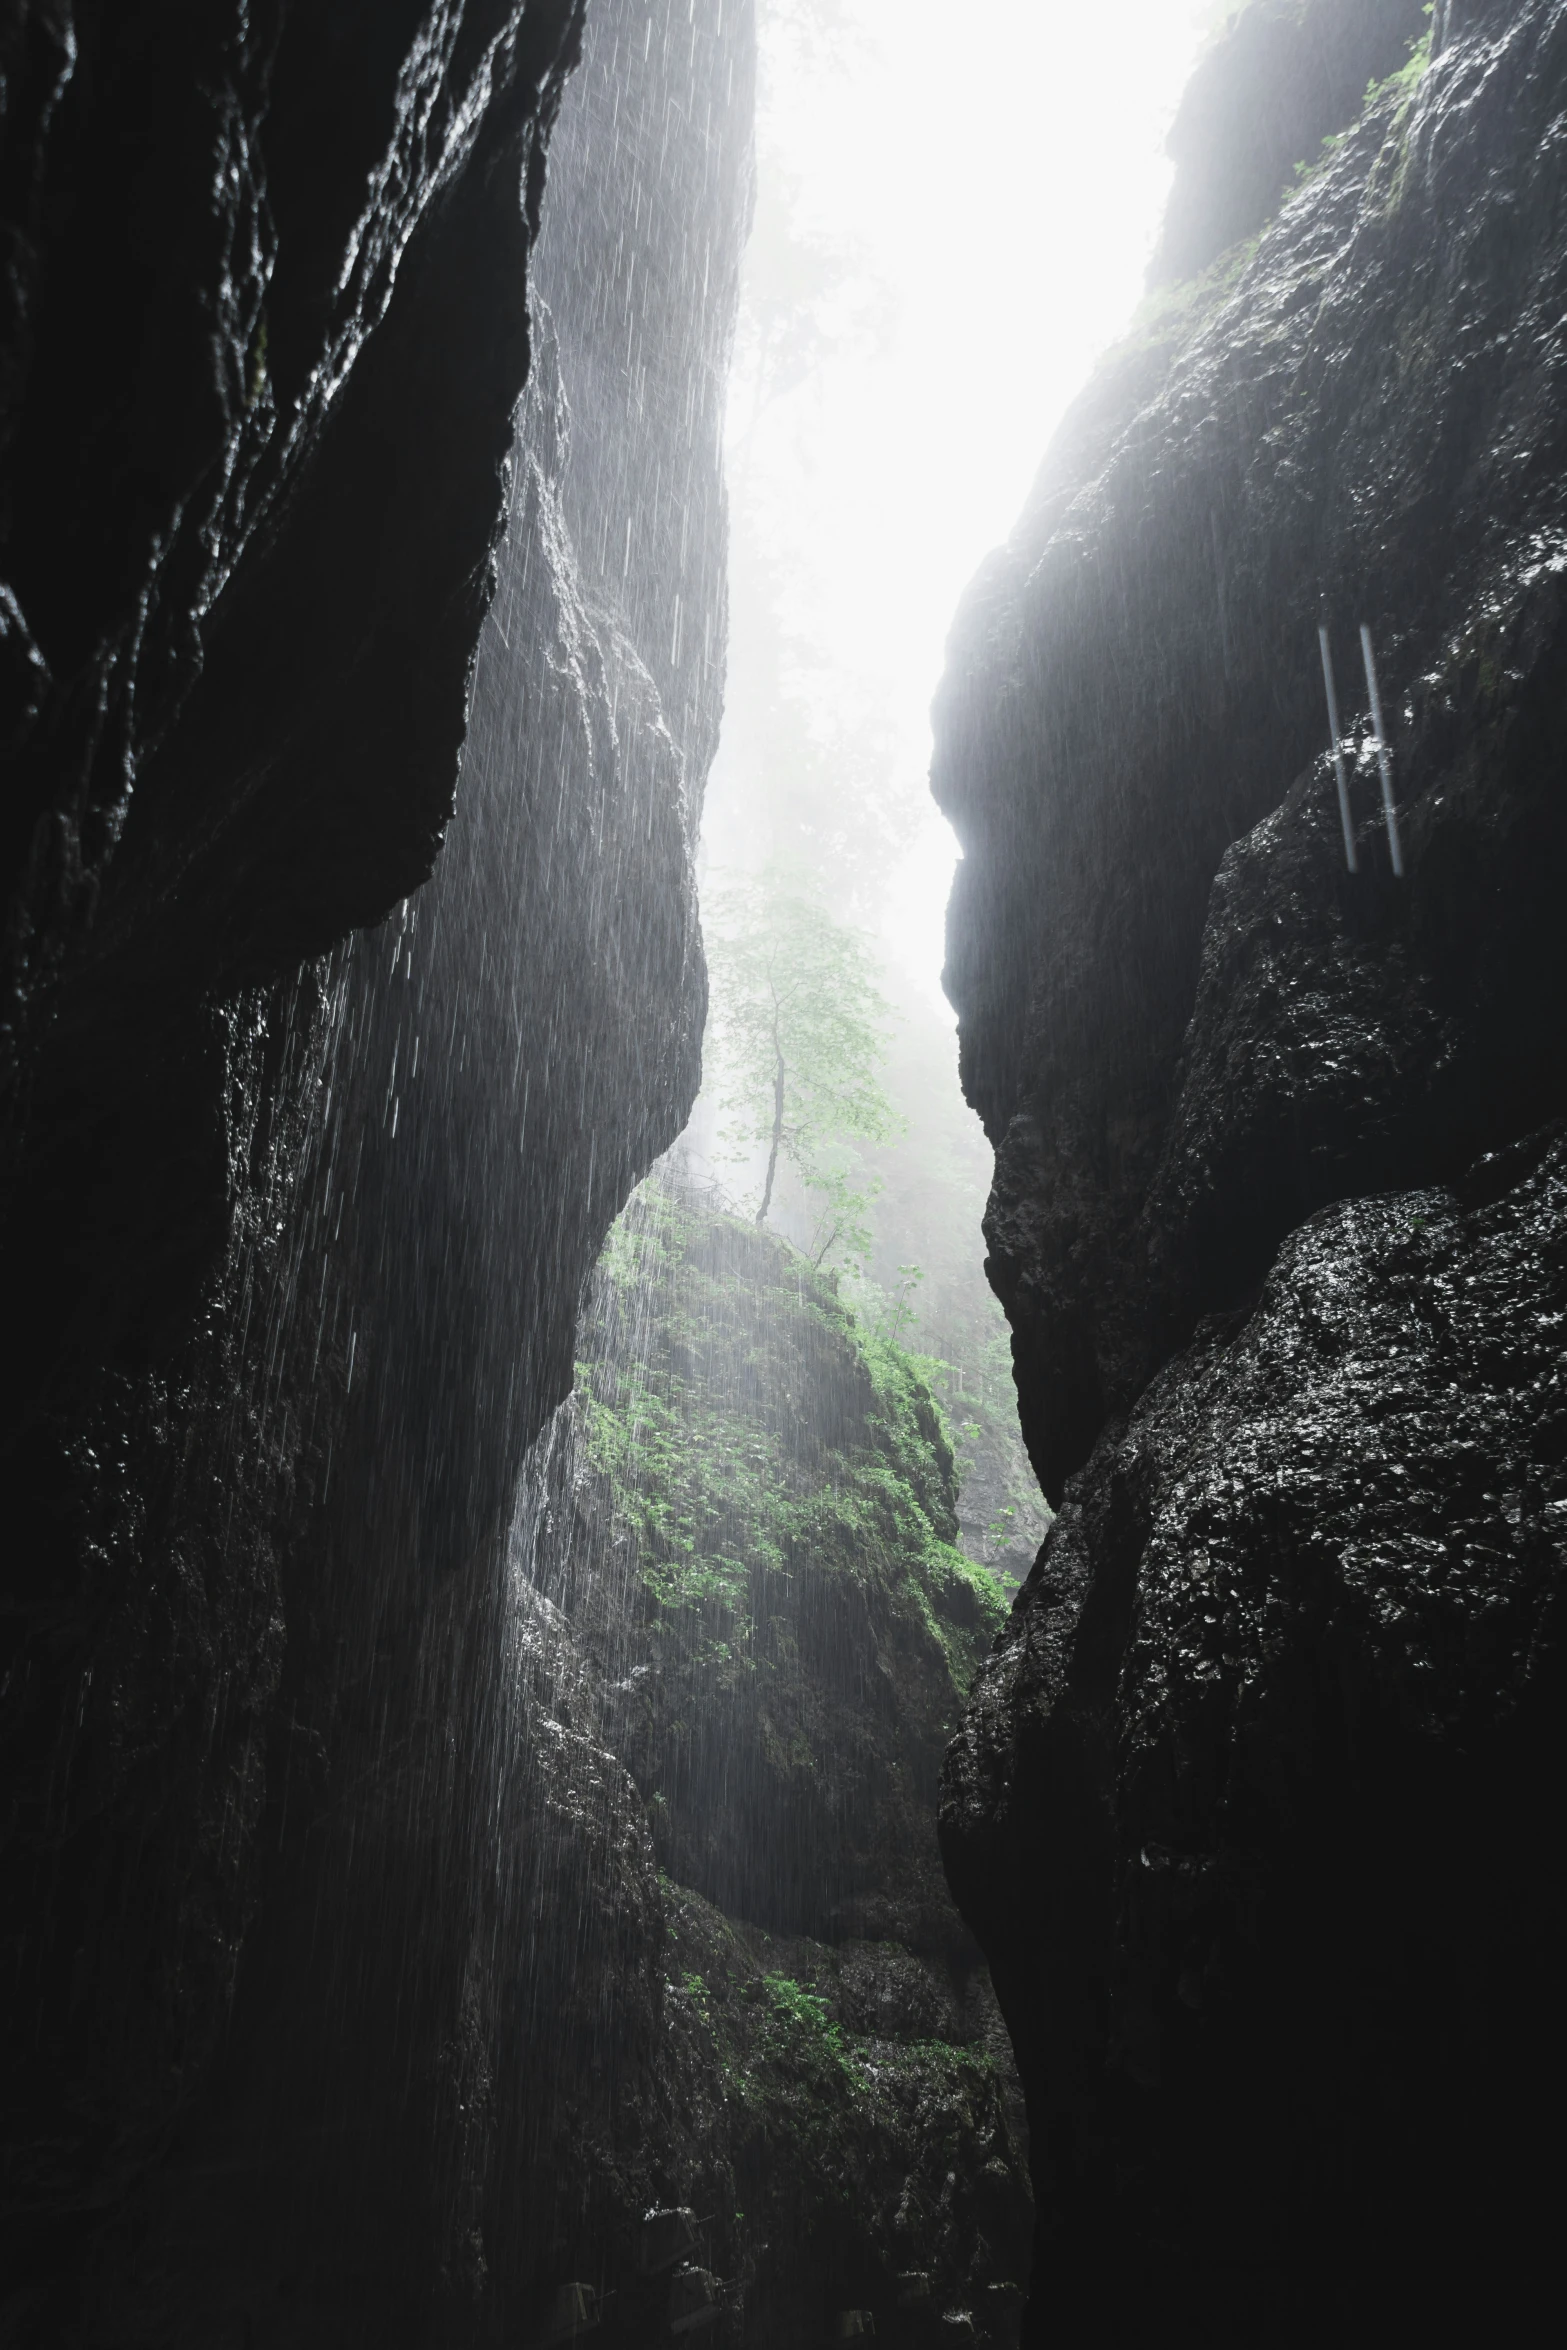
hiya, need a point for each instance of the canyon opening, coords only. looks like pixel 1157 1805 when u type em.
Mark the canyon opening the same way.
pixel 783 1171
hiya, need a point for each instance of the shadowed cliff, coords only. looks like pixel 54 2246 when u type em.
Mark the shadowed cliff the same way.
pixel 1248 1812
pixel 744 1630
pixel 294 1237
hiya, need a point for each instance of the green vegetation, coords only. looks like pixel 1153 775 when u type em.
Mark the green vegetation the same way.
pixel 1406 81
pixel 1397 90
pixel 1169 316
pixel 805 2099
pixel 256 382
pixel 749 1422
pixel 1311 167
pixel 799 1029
pixel 801 2025
pixel 827 783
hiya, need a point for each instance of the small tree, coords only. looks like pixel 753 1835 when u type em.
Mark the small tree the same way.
pixel 800 1030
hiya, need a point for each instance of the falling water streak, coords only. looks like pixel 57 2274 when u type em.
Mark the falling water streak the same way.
pixel 1384 756
pixel 1336 740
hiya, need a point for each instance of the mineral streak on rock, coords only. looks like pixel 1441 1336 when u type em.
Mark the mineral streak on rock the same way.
pixel 1249 1812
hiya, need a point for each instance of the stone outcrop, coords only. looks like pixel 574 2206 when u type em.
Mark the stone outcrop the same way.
pixel 1281 76
pixel 737 1588
pixel 750 1519
pixel 295 1229
pixel 1249 1811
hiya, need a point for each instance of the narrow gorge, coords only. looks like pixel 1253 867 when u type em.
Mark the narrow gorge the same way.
pixel 543 1796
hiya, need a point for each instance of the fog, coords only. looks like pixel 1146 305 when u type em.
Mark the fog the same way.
pixel 948 234
pixel 955 212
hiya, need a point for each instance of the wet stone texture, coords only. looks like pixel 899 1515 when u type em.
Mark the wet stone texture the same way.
pixel 296 1221
pixel 748 1512
pixel 1251 1810
pixel 742 1610
pixel 257 406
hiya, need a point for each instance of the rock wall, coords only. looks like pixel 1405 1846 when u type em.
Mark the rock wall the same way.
pixel 752 1527
pixel 1272 85
pixel 1248 1811
pixel 745 1616
pixel 293 1247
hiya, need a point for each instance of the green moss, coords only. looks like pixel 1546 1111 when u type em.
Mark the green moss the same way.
pixel 256 383
pixel 1170 316
pixel 800 2033
pixel 793 2078
pixel 815 2121
pixel 1403 84
pixel 746 1419
pixel 1312 167
pixel 1395 95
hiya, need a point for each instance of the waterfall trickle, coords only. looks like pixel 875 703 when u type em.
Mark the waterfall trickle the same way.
pixel 424 1139
pixel 514 1047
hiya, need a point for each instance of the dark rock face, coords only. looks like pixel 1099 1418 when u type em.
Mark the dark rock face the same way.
pixel 1282 76
pixel 261 273
pixel 860 2132
pixel 1247 1808
pixel 736 1586
pixel 294 1250
pixel 236 349
pixel 1361 423
pixel 1249 1811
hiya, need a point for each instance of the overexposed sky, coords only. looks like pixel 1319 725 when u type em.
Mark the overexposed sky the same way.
pixel 994 176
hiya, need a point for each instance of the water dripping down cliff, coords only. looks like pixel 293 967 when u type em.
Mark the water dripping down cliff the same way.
pixel 294 1247
pixel 433 1915
pixel 460 1887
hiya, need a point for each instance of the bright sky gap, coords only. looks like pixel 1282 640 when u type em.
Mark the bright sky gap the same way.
pixel 966 234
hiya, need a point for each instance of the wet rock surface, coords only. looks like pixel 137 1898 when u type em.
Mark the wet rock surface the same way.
pixel 749 1515
pixel 236 349
pixel 1246 1810
pixel 865 2135
pixel 1276 81
pixel 294 1249
pixel 1250 1811
pixel 1357 420
pixel 738 1539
